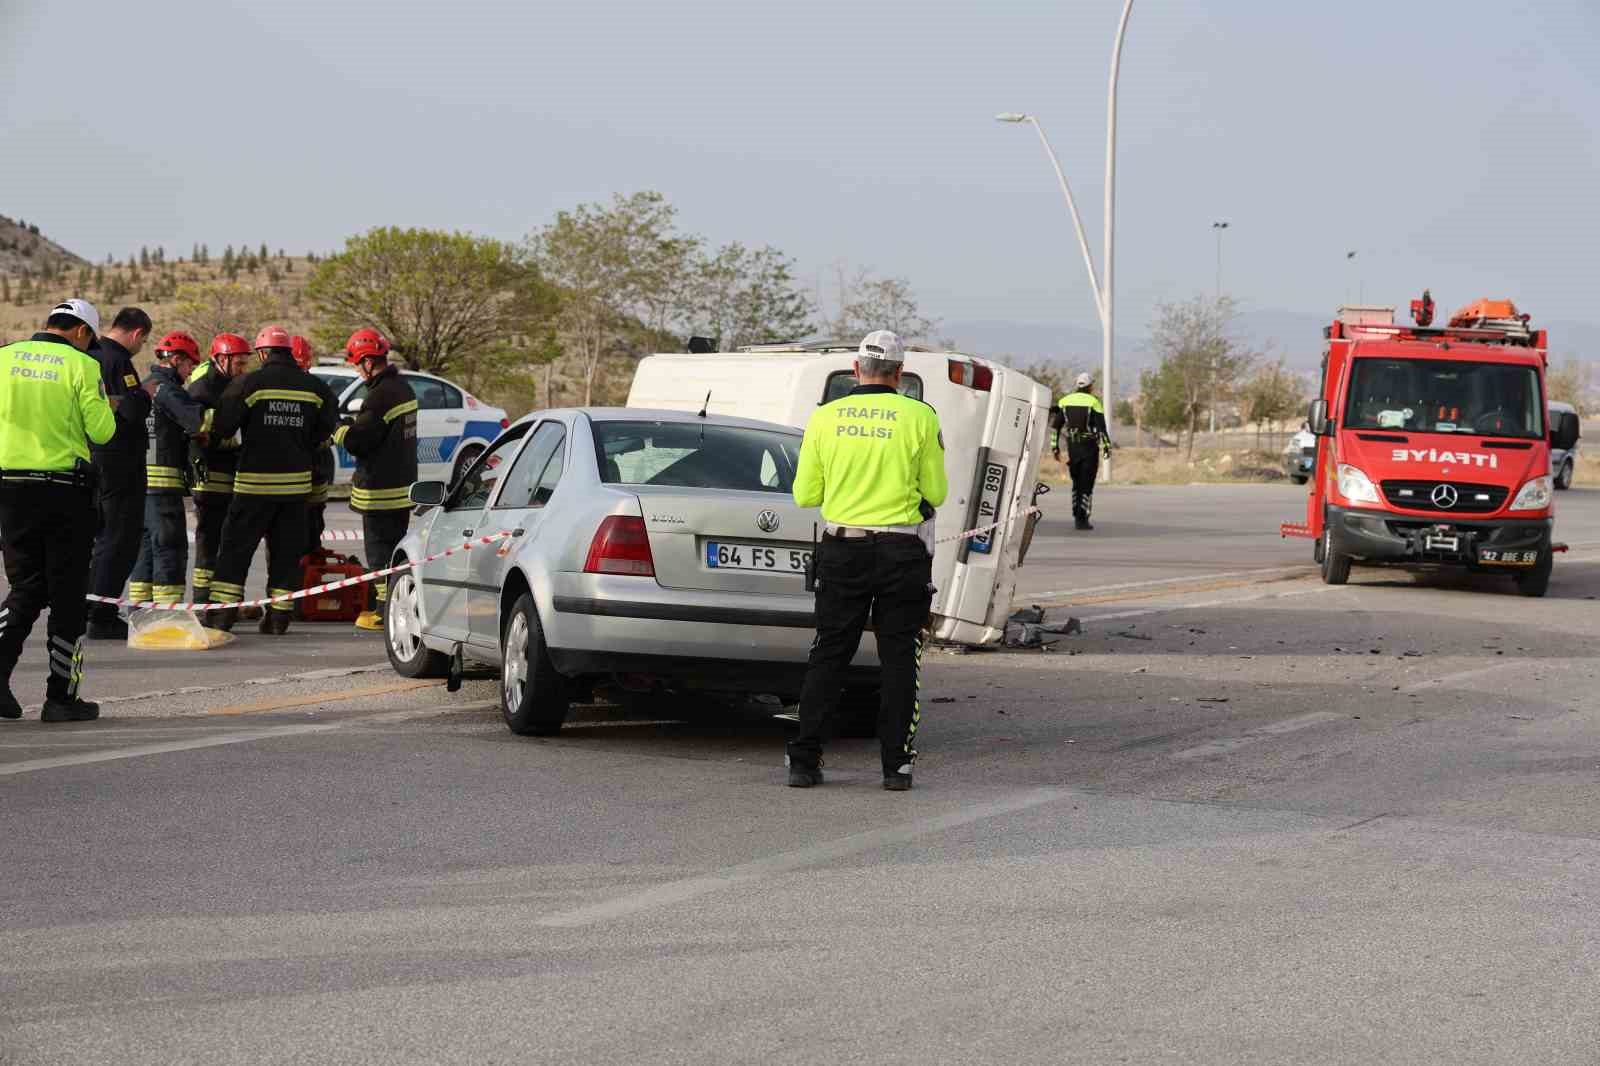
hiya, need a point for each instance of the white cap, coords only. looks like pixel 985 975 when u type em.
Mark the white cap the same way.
pixel 82 310
pixel 1085 380
pixel 882 345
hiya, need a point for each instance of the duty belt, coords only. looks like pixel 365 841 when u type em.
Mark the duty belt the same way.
pixel 69 478
pixel 869 532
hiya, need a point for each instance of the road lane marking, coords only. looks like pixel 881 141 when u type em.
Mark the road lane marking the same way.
pixel 1141 612
pixel 1227 744
pixel 1464 675
pixel 673 892
pixel 1188 579
pixel 322 697
pixel 212 741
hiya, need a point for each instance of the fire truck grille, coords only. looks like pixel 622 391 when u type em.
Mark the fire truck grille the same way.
pixel 1453 497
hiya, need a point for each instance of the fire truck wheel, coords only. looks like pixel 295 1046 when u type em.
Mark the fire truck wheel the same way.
pixel 1335 564
pixel 1537 581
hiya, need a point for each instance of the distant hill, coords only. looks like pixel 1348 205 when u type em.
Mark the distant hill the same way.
pixel 23 249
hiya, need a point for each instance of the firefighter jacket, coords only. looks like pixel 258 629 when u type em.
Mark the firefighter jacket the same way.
pixel 383 438
pixel 217 459
pixel 1083 423
pixel 123 456
pixel 285 413
pixel 176 416
pixel 52 405
pixel 872 458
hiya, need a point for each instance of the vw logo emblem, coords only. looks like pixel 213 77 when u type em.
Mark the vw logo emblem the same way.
pixel 767 521
pixel 1445 497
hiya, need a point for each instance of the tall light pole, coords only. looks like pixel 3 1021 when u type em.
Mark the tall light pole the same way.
pixel 1215 368
pixel 1104 283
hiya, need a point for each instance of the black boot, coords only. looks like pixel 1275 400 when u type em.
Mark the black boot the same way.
pixel 223 619
pixel 69 709
pixel 274 623
pixel 1081 523
pixel 9 707
pixel 804 776
pixel 107 627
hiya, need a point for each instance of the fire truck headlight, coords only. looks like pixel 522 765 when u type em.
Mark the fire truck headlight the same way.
pixel 1535 495
pixel 1355 486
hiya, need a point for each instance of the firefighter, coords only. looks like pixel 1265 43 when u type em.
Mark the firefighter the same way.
pixel 383 438
pixel 1082 420
pixel 284 413
pixel 322 473
pixel 214 461
pixel 874 461
pixel 119 469
pixel 158 573
pixel 53 406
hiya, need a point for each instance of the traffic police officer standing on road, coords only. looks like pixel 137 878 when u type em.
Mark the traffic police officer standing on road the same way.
pixel 383 438
pixel 214 460
pixel 52 405
pixel 285 414
pixel 120 469
pixel 874 461
pixel 1083 422
pixel 164 554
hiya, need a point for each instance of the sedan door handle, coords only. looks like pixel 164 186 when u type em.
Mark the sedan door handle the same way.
pixel 454 419
pixel 466 532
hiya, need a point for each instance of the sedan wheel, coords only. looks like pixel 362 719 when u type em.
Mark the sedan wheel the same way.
pixel 403 631
pixel 533 698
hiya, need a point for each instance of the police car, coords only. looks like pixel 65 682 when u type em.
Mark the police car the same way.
pixel 453 426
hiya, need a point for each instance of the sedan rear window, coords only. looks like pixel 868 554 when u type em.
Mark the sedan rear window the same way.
pixel 692 455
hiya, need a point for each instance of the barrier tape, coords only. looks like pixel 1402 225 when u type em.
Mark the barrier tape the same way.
pixel 327 534
pixel 343 583
pixel 475 542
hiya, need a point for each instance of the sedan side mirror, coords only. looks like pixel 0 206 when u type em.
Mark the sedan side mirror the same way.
pixel 1317 417
pixel 429 493
pixel 354 405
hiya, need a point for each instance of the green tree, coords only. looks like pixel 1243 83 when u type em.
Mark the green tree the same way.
pixel 1199 363
pixel 205 255
pixel 448 302
pixel 743 296
pixel 212 307
pixel 866 303
pixel 263 254
pixel 1270 396
pixel 620 267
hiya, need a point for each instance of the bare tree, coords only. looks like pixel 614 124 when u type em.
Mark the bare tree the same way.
pixel 208 308
pixel 1572 382
pixel 866 303
pixel 747 296
pixel 1199 364
pixel 1271 395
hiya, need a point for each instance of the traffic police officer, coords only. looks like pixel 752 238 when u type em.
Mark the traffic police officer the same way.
pixel 383 438
pixel 158 573
pixel 53 405
pixel 120 470
pixel 305 358
pixel 1083 422
pixel 285 413
pixel 213 460
pixel 874 461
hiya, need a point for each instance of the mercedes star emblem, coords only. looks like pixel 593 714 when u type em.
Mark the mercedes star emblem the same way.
pixel 767 521
pixel 1445 497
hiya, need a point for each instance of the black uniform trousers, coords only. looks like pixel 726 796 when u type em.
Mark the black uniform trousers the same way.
pixel 1083 465
pixel 382 531
pixel 281 520
pixel 164 548
pixel 120 504
pixel 47 532
pixel 887 577
pixel 210 511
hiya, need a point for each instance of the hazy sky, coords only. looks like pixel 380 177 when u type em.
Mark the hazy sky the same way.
pixel 1456 143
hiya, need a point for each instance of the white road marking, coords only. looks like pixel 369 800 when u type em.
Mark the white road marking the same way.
pixel 1464 675
pixel 1168 608
pixel 1227 744
pixel 244 737
pixel 1184 580
pixel 679 891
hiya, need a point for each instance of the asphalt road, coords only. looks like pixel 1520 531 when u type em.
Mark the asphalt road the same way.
pixel 1244 817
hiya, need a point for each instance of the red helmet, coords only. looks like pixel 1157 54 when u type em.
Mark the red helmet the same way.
pixel 303 352
pixel 366 344
pixel 273 337
pixel 229 344
pixel 178 342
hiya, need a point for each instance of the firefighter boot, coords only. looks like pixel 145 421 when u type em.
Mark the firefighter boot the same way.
pixel 224 619
pixel 9 707
pixel 372 621
pixel 274 622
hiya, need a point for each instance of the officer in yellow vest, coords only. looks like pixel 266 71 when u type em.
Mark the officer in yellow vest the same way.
pixel 873 460
pixel 1082 422
pixel 52 405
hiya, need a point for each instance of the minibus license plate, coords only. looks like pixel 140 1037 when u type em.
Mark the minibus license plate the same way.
pixel 994 483
pixel 764 558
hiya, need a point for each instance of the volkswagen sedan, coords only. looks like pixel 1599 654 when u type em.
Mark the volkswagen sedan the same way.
pixel 650 549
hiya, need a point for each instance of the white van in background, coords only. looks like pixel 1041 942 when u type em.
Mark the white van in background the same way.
pixel 994 421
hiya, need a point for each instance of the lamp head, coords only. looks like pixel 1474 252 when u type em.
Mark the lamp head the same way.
pixel 1011 116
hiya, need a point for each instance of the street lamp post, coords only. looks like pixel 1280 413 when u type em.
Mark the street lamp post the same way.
pixel 1215 367
pixel 1104 283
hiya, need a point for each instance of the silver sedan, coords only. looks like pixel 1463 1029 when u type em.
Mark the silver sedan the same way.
pixel 655 550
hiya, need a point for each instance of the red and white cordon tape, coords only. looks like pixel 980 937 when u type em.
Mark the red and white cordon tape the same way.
pixel 475 542
pixel 1026 512
pixel 327 534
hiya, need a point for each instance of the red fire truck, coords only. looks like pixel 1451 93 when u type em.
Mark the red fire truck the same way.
pixel 1433 445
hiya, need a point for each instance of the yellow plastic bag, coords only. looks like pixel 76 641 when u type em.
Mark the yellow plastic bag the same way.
pixel 172 631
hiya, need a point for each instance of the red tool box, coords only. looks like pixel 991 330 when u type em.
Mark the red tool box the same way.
pixel 323 567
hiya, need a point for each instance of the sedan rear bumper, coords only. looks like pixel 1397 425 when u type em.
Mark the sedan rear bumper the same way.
pixel 687 612
pixel 718 675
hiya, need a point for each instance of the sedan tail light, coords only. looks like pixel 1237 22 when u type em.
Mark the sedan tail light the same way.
pixel 621 546
pixel 971 375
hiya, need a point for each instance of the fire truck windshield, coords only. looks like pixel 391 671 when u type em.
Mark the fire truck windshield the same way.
pixel 1435 396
